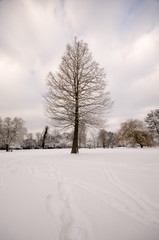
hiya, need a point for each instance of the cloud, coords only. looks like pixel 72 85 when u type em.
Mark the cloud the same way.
pixel 122 35
pixel 31 33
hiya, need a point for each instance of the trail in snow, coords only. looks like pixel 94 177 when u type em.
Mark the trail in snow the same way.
pixel 147 169
pixel 32 169
pixel 71 223
pixel 65 220
pixel 138 204
pixel 129 201
pixel 74 225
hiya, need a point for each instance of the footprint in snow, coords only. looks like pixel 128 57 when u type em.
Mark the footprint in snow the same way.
pixel 53 207
pixel 53 210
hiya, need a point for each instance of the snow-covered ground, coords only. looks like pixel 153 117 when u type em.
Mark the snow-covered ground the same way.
pixel 100 194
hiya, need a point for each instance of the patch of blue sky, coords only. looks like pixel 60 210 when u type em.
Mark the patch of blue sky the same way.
pixel 62 3
pixel 151 28
pixel 135 6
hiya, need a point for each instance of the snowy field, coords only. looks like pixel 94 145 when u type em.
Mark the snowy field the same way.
pixel 100 194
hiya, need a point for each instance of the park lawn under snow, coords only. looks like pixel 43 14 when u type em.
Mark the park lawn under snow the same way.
pixel 99 194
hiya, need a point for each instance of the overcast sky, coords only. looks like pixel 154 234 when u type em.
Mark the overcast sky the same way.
pixel 123 36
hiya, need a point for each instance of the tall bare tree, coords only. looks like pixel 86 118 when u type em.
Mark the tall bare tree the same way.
pixel 77 92
pixel 152 121
pixel 11 131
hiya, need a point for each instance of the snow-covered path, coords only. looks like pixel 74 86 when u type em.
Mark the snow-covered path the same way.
pixel 99 194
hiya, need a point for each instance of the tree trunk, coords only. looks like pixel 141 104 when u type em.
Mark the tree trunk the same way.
pixel 7 147
pixel 141 145
pixel 76 128
pixel 75 138
pixel 44 137
pixel 139 142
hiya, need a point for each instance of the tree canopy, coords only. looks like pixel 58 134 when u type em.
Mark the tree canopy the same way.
pixel 76 93
pixel 134 132
pixel 11 131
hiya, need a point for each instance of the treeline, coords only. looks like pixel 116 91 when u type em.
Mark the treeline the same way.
pixel 132 133
pixel 14 135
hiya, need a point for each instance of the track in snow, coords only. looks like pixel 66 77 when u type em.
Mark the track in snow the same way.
pixel 124 199
pixel 137 204
pixel 68 221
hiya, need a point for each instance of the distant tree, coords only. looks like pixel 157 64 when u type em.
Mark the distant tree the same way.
pixel 29 135
pixel 77 92
pixel 110 139
pixel 29 142
pixel 54 139
pixel 44 136
pixel 38 139
pixel 134 132
pixel 106 139
pixel 82 135
pixel 92 140
pixel 102 138
pixel 66 140
pixel 152 121
pixel 11 131
pixel 2 145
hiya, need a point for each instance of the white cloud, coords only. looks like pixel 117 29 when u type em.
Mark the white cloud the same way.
pixel 122 35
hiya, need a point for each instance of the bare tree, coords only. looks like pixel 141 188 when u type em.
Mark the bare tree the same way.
pixel 102 138
pixel 55 138
pixel 11 131
pixel 29 142
pixel 106 139
pixel 29 136
pixel 44 136
pixel 38 139
pixel 111 139
pixel 77 92
pixel 134 132
pixel 152 121
pixel 82 135
pixel 92 141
